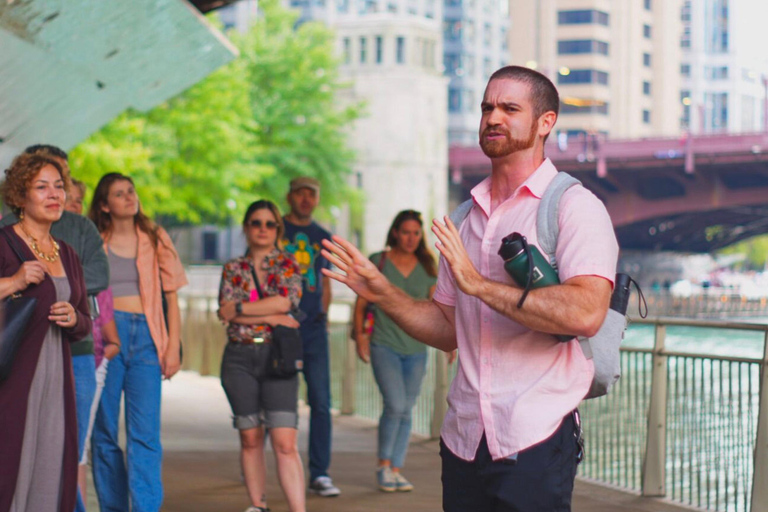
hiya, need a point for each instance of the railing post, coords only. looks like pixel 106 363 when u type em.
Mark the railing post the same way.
pixel 441 393
pixel 760 474
pixel 654 465
pixel 349 377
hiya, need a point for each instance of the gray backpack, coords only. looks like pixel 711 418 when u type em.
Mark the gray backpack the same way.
pixel 602 348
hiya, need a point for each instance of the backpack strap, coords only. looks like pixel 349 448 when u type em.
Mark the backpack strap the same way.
pixel 458 215
pixel 547 227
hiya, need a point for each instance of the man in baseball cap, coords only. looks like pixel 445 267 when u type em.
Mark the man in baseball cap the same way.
pixel 303 238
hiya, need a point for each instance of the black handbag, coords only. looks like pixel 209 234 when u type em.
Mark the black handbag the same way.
pixel 286 356
pixel 16 313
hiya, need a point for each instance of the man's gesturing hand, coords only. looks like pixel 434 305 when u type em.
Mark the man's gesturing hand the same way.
pixel 359 273
pixel 451 247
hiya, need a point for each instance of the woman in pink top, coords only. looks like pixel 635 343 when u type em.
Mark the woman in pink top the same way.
pixel 144 266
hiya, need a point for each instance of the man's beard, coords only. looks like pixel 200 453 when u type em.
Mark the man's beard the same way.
pixel 507 146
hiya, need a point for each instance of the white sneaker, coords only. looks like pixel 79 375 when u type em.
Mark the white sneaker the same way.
pixel 401 484
pixel 256 509
pixel 386 479
pixel 323 486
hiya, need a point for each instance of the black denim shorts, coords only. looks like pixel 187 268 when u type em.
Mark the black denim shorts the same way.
pixel 256 397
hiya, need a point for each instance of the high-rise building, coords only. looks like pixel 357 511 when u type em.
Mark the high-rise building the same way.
pixel 475 39
pixel 724 68
pixel 391 56
pixel 616 64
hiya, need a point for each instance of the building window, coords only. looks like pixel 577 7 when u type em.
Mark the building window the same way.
pixel 451 63
pixel 452 31
pixel 580 106
pixel 647 60
pixel 685 12
pixel 392 7
pixel 454 100
pixel 647 116
pixel 685 69
pixel 647 5
pixel 583 76
pixel 716 72
pixel 487 67
pixel 363 50
pixel 487 35
pixel 379 49
pixel 578 46
pixel 647 31
pixel 647 88
pixel 717 110
pixel 582 17
pixel 347 50
pixel 400 50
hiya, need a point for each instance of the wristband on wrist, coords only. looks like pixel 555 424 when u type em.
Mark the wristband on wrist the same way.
pixel 239 308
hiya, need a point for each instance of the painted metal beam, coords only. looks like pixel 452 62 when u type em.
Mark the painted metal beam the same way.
pixel 69 67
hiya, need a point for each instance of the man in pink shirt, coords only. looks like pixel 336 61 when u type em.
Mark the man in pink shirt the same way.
pixel 509 439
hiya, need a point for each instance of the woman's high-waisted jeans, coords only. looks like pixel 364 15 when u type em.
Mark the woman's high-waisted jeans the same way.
pixel 136 372
pixel 399 379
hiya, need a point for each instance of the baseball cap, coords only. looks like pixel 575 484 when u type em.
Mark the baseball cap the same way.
pixel 305 182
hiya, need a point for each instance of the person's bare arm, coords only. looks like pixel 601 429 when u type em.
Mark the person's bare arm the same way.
pixel 577 307
pixel 429 322
pixel 276 305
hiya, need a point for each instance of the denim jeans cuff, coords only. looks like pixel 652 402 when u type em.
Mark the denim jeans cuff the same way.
pixel 281 419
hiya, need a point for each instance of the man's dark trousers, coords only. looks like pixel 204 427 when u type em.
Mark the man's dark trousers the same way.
pixel 317 375
pixel 540 480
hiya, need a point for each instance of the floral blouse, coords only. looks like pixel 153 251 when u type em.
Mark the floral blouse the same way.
pixel 283 278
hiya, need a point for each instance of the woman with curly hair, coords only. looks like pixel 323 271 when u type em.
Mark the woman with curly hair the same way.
pixel 38 423
pixel 144 268
pixel 257 293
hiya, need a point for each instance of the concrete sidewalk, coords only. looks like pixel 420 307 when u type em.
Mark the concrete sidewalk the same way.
pixel 201 471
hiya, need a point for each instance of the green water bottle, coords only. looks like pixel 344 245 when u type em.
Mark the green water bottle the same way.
pixel 516 263
pixel 515 252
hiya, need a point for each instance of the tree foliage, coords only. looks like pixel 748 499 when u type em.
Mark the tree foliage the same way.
pixel 244 132
pixel 755 249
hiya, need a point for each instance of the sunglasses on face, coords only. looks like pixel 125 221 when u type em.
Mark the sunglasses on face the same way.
pixel 256 223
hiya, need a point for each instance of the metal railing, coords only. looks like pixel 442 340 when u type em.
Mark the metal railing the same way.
pixel 709 305
pixel 683 424
pixel 686 425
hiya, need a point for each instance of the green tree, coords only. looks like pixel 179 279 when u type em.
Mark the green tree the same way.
pixel 755 249
pixel 243 132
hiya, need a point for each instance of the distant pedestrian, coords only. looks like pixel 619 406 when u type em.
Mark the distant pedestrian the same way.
pixel 145 268
pixel 399 362
pixel 75 197
pixel 258 292
pixel 303 238
pixel 510 438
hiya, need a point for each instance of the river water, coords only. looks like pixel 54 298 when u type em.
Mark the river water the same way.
pixel 714 342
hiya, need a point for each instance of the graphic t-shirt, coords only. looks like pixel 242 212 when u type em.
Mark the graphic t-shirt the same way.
pixel 304 242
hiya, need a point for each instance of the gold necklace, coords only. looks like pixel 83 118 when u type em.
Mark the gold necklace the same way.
pixel 52 257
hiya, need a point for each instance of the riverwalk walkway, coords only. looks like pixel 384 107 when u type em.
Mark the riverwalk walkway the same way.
pixel 201 471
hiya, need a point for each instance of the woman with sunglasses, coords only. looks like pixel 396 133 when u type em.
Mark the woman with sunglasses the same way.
pixel 144 267
pixel 258 292
pixel 399 362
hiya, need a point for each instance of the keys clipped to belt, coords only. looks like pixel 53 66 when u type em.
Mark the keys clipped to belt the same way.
pixel 578 433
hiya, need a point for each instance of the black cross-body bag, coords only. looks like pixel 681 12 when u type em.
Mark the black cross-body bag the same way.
pixel 16 313
pixel 286 356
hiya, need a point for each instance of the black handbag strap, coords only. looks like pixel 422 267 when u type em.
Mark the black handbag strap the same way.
pixel 14 247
